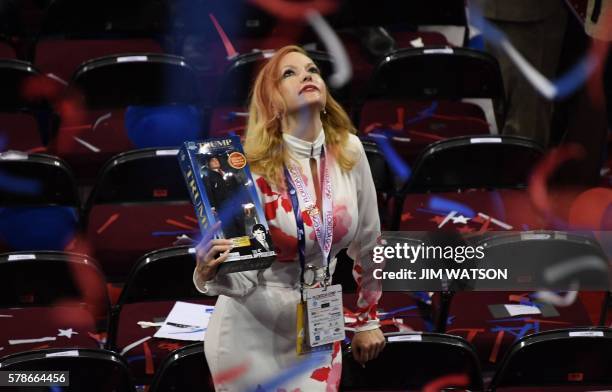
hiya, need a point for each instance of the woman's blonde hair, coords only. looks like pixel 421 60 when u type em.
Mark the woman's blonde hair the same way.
pixel 264 142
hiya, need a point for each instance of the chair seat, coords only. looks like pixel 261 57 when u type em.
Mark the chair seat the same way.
pixel 508 209
pixel 129 332
pixel 471 318
pixel 40 322
pixel 136 229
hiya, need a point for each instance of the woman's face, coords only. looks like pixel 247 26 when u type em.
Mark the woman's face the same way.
pixel 301 83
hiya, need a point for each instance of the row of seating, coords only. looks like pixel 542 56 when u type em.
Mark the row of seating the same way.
pixel 111 105
pixel 43 293
pixel 140 201
pixel 573 359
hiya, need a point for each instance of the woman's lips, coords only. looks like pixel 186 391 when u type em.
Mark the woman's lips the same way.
pixel 309 87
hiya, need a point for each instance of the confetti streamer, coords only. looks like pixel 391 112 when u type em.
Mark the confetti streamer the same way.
pixel 552 90
pixel 111 219
pixel 27 341
pixel 555 299
pixel 86 144
pixel 445 205
pixel 300 367
pixel 179 224
pixel 132 345
pixel 227 44
pixel 342 65
pixel 396 163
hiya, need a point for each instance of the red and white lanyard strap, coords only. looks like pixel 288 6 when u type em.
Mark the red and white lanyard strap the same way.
pixel 323 228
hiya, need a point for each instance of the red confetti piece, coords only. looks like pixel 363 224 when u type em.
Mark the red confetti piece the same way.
pixel 179 224
pixel 496 346
pixel 149 368
pixel 111 219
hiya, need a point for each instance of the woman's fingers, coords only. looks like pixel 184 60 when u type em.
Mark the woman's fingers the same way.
pixel 214 251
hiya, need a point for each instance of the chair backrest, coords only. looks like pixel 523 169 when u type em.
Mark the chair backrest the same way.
pixel 19 80
pixel 475 162
pixel 543 260
pixel 410 362
pixel 437 73
pixel 135 79
pixel 88 369
pixel 577 357
pixel 46 278
pixel 185 370
pixel 381 172
pixel 41 180
pixel 165 274
pixel 140 176
pixel 39 190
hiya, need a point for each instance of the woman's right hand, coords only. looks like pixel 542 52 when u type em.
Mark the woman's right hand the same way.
pixel 210 253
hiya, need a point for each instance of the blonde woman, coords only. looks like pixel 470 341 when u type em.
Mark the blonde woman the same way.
pixel 295 126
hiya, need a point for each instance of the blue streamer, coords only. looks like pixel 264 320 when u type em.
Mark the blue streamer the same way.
pixel 442 204
pixel 310 362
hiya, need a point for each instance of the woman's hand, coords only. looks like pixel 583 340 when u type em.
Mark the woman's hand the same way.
pixel 367 345
pixel 210 253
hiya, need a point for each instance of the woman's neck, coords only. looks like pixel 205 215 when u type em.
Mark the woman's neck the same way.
pixel 304 125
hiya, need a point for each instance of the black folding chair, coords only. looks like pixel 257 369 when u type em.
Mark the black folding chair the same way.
pixel 146 188
pixel 87 369
pixel 186 370
pixel 46 278
pixel 577 359
pixel 412 361
pixel 161 275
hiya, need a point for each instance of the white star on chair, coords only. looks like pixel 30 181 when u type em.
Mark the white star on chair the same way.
pixel 67 333
pixel 460 219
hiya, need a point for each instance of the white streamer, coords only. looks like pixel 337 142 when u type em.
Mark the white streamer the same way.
pixel 342 66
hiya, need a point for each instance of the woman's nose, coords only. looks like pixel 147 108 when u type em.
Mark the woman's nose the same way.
pixel 307 76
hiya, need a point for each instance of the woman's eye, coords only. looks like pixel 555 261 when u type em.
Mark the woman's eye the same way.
pixel 314 70
pixel 287 73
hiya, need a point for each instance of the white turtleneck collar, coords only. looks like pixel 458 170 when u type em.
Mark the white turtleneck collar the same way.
pixel 302 148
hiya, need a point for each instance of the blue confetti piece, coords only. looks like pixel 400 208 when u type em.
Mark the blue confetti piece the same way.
pixel 173 233
pixel 162 126
pixel 311 361
pixel 390 313
pixel 19 185
pixel 396 163
pixel 442 204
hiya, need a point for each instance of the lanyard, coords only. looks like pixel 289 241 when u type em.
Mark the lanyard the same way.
pixel 323 228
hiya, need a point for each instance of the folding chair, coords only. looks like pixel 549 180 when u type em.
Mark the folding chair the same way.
pixel 186 370
pixel 44 293
pixel 88 369
pixel 480 177
pixel 489 312
pixel 410 362
pixel 41 207
pixel 109 90
pixel 73 32
pixel 574 359
pixel 158 280
pixel 26 118
pixel 421 95
pixel 140 203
